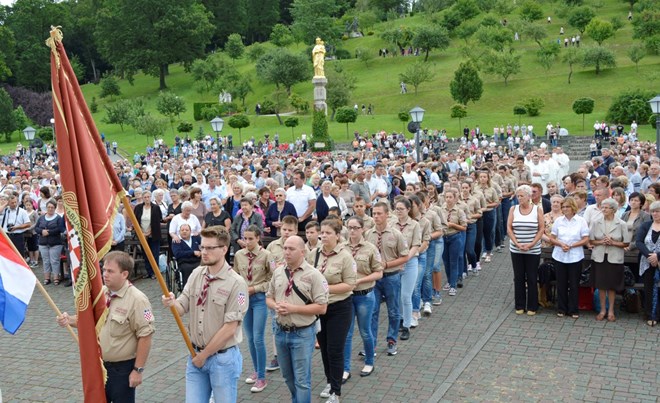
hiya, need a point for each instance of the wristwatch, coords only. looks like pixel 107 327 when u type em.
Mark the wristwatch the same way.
pixel 139 370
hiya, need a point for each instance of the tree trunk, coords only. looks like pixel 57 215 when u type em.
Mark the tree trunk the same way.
pixel 426 58
pixel 163 72
pixel 279 119
pixel 332 115
pixel 570 73
pixel 94 72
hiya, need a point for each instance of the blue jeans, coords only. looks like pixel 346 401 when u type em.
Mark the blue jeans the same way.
pixel 408 281
pixel 454 248
pixel 390 288
pixel 506 206
pixel 254 324
pixel 154 246
pixel 219 374
pixel 294 354
pixel 364 310
pixel 470 240
pixel 427 286
pixel 499 226
pixel 421 273
pixel 490 220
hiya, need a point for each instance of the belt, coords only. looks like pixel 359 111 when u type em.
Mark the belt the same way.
pixel 109 364
pixel 287 328
pixel 363 292
pixel 199 349
pixel 391 273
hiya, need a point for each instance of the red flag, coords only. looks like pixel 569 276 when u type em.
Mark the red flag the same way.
pixel 91 192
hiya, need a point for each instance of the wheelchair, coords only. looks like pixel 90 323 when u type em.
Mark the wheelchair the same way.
pixel 174 277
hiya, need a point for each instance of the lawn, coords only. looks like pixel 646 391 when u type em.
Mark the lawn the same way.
pixel 378 84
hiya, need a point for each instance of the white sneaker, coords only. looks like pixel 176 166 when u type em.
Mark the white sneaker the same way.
pixel 333 399
pixel 469 268
pixel 446 287
pixel 251 379
pixel 427 309
pixel 452 292
pixel 464 276
pixel 414 322
pixel 478 267
pixel 326 392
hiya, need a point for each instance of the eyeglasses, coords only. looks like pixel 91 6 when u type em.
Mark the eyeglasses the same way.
pixel 354 228
pixel 400 209
pixel 210 248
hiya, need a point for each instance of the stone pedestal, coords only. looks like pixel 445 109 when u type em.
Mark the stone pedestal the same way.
pixel 320 94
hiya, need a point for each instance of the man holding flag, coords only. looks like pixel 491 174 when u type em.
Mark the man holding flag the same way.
pixel 126 334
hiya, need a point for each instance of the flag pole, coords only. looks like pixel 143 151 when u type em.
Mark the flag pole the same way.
pixel 159 276
pixel 43 291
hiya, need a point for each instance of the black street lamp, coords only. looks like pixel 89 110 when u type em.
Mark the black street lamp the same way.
pixel 29 133
pixel 417 116
pixel 655 107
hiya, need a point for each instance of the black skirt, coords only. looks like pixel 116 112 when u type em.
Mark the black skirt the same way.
pixel 608 276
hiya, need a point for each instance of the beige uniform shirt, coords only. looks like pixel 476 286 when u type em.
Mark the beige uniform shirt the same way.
pixel 260 271
pixel 425 228
pixel 436 223
pixel 368 261
pixel 276 249
pixel 490 194
pixel 438 210
pixel 523 177
pixel 226 301
pixel 410 230
pixel 338 267
pixel 311 284
pixel 368 222
pixel 509 185
pixel 392 245
pixel 129 318
pixel 455 215
pixel 474 207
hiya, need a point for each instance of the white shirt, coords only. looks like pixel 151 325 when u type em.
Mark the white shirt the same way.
pixel 569 232
pixel 592 213
pixel 300 198
pixel 542 178
pixel 178 221
pixel 377 185
pixel 410 177
pixel 15 217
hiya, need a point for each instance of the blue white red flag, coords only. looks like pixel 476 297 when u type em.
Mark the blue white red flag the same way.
pixel 16 286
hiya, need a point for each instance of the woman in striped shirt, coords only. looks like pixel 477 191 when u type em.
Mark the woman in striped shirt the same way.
pixel 525 228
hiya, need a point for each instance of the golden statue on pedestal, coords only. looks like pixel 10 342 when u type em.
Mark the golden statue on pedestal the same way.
pixel 318 58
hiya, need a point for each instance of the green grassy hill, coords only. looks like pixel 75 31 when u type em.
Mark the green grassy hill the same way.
pixel 378 84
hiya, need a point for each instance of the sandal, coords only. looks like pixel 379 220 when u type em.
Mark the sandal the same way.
pixel 651 323
pixel 560 314
pixel 575 316
pixel 46 281
pixel 600 316
pixel 611 318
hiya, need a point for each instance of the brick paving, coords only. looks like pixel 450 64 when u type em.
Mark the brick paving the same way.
pixel 473 348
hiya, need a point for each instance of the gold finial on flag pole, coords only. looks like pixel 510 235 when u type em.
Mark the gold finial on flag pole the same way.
pixel 55 37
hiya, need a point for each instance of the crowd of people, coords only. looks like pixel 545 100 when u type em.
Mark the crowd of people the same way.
pixel 318 242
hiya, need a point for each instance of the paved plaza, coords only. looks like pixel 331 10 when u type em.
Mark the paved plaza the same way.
pixel 473 348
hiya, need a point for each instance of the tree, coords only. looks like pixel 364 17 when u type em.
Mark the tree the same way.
pixel 280 100
pixel 184 127
pixel 467 85
pixel 149 126
pixel 314 18
pixel 291 122
pixel 573 56
pixel 262 15
pixel 502 64
pixel 299 103
pixel 281 67
pixel 636 53
pixel 7 52
pixel 347 115
pixel 465 31
pixel 494 37
pixel 533 106
pixel 631 105
pixel 530 11
pixel 598 57
pixel 535 32
pixel 580 18
pixel 239 121
pixel 519 110
pixel 227 17
pixel 240 88
pixel 234 46
pixel 170 105
pixel 365 55
pixel 599 30
pixel 118 113
pixel 109 87
pixel 281 36
pixel 548 55
pixel 401 37
pixel 429 38
pixel 583 106
pixel 149 35
pixel 339 89
pixel 255 51
pixel 404 117
pixel 205 72
pixel 7 117
pixel 646 27
pixel 458 111
pixel 417 74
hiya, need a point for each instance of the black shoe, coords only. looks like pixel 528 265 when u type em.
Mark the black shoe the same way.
pixel 405 334
pixel 460 285
pixel 345 379
pixel 367 373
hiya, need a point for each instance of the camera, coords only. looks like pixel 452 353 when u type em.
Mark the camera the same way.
pixel 10 227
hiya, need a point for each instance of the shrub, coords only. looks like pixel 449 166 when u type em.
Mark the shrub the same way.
pixel 45 133
pixel 93 107
pixel 631 105
pixel 342 54
pixel 199 106
pixel 534 106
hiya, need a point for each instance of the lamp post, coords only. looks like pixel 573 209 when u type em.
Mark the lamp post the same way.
pixel 417 116
pixel 29 133
pixel 655 107
pixel 217 124
pixel 52 126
